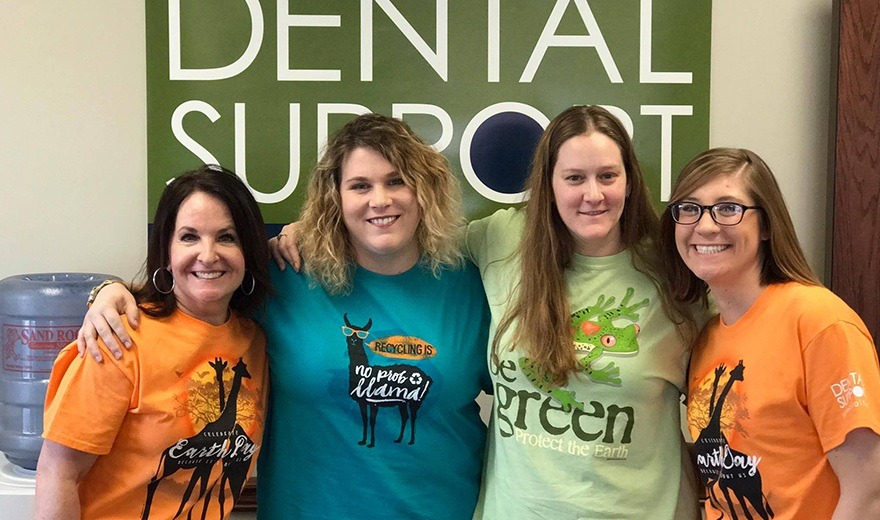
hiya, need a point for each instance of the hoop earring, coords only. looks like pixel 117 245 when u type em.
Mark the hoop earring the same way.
pixel 156 272
pixel 253 285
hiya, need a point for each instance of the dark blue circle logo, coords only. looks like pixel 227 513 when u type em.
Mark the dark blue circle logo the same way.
pixel 501 151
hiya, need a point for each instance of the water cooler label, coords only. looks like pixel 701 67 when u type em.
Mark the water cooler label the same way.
pixel 34 348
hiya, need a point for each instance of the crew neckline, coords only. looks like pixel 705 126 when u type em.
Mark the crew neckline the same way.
pixel 757 309
pixel 580 261
pixel 364 272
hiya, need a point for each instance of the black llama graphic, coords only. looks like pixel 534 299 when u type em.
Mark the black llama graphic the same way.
pixel 403 386
pixel 725 468
pixel 202 451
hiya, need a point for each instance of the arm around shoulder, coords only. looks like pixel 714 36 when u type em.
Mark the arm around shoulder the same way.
pixel 103 319
pixel 855 462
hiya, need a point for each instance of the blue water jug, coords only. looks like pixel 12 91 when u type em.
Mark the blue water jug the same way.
pixel 39 315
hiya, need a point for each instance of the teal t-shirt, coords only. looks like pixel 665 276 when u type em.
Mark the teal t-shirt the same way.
pixel 609 444
pixel 371 409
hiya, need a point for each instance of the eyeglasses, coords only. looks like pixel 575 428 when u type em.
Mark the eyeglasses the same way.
pixel 723 213
pixel 348 331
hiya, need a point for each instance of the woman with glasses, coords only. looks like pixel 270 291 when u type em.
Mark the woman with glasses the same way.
pixel 784 401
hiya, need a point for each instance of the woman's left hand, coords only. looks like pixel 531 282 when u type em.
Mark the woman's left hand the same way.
pixel 284 249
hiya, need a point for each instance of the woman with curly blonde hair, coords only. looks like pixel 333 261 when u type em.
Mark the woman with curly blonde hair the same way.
pixel 377 350
pixel 329 246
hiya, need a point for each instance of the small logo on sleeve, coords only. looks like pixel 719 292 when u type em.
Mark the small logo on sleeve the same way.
pixel 849 391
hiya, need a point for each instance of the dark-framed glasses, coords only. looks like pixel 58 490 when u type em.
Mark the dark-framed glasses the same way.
pixel 723 213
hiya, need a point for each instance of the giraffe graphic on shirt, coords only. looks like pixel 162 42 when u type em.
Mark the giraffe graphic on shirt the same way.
pixel 724 468
pixel 221 440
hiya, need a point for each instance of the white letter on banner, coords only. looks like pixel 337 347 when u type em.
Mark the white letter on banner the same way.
pixel 324 111
pixel 493 40
pixel 624 118
pixel 646 75
pixel 241 156
pixel 549 38
pixel 439 60
pixel 285 20
pixel 183 138
pixel 666 112
pixel 399 109
pixel 176 72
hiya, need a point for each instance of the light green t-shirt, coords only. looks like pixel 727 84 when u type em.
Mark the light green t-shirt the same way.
pixel 609 444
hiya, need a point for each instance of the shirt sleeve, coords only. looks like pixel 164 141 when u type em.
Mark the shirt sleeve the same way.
pixel 842 382
pixel 477 231
pixel 494 237
pixel 86 402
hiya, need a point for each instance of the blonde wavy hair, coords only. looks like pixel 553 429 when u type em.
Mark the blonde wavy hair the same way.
pixel 325 242
pixel 540 314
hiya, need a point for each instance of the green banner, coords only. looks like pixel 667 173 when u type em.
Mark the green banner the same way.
pixel 258 85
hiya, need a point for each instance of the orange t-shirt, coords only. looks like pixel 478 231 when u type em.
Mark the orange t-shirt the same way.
pixel 157 414
pixel 775 391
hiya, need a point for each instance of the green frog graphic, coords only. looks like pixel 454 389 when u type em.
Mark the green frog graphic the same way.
pixel 594 334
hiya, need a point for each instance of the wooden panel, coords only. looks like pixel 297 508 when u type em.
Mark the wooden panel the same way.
pixel 855 256
pixel 247 502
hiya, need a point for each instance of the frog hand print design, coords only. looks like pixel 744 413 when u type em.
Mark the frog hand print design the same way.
pixel 595 334
pixel 544 383
pixel 593 338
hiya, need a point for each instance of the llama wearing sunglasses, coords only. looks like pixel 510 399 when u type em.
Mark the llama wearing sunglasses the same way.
pixel 372 386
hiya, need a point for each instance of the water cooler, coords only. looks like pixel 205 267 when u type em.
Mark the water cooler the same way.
pixel 39 315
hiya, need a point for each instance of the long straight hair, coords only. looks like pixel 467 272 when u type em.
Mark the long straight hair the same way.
pixel 782 259
pixel 540 313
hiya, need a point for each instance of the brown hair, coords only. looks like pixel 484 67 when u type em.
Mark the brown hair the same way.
pixel 540 313
pixel 226 187
pixel 326 245
pixel 782 259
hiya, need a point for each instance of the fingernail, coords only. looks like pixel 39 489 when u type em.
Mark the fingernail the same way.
pixel 117 355
pixel 128 344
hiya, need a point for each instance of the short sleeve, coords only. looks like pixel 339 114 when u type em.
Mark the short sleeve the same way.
pixel 477 231
pixel 86 402
pixel 495 237
pixel 842 382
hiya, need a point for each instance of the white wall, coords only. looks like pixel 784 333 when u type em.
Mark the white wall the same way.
pixel 73 123
pixel 72 136
pixel 770 93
